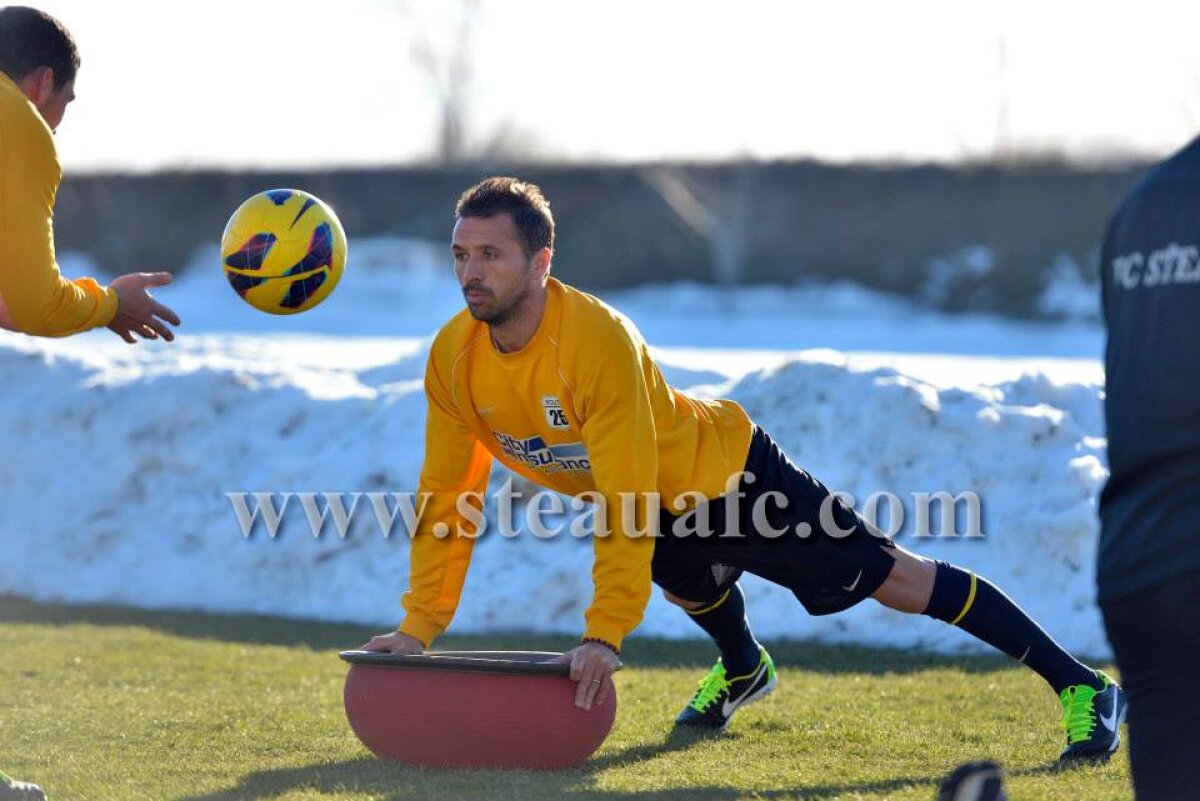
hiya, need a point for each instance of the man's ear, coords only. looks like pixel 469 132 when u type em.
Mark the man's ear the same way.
pixel 541 262
pixel 46 83
pixel 38 85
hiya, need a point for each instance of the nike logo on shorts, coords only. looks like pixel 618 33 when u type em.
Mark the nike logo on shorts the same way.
pixel 854 583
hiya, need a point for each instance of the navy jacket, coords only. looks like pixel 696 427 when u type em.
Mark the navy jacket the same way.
pixel 1150 282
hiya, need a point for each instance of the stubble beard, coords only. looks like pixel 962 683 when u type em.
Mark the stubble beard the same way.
pixel 497 317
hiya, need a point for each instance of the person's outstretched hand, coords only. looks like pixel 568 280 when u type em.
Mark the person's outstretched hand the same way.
pixel 137 310
pixel 394 643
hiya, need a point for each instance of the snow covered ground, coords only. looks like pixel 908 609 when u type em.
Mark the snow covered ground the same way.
pixel 117 459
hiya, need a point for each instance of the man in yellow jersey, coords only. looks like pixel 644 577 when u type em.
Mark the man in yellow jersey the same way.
pixel 562 390
pixel 38 63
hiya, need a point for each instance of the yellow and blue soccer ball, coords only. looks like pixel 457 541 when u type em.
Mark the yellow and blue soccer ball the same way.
pixel 283 251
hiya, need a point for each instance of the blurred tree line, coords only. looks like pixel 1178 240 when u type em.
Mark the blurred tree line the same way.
pixel 977 237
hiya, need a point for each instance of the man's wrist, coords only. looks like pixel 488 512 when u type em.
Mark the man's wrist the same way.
pixel 110 304
pixel 420 628
pixel 605 643
pixel 417 640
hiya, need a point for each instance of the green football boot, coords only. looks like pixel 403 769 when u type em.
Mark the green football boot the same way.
pixel 1092 719
pixel 719 696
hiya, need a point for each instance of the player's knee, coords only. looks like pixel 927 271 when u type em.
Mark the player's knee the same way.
pixel 682 602
pixel 909 585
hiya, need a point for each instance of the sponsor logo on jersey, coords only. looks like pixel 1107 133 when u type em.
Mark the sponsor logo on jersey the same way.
pixel 534 452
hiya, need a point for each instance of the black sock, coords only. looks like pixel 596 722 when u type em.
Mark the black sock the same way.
pixel 725 621
pixel 978 607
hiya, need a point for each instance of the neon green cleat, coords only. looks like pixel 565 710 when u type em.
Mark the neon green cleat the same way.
pixel 1092 719
pixel 718 696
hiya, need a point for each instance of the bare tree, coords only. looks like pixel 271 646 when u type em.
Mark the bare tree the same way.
pixel 449 67
pixel 720 215
pixel 1002 146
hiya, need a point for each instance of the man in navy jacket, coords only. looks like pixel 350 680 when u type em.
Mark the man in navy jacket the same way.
pixel 1150 510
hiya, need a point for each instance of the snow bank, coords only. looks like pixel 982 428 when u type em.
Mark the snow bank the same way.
pixel 117 460
pixel 395 287
pixel 1067 294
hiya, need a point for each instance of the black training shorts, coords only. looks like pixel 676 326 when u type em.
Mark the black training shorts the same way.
pixel 830 569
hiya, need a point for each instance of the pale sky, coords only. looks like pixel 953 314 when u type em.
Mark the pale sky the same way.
pixel 307 83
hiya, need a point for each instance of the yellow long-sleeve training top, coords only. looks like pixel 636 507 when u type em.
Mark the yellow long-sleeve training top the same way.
pixel 582 408
pixel 40 301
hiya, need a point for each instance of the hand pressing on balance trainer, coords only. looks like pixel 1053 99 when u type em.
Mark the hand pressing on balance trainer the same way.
pixel 592 667
pixel 395 643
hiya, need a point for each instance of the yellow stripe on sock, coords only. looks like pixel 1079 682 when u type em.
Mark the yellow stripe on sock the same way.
pixel 722 600
pixel 967 606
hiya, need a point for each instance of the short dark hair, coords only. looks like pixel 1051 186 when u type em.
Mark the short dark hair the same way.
pixel 30 39
pixel 523 201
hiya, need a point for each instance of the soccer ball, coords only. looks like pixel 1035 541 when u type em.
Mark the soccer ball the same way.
pixel 283 251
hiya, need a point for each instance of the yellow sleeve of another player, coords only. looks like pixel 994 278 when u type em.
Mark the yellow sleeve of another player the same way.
pixel 39 300
pixel 455 462
pixel 618 430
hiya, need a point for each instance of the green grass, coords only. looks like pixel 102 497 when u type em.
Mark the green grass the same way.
pixel 103 703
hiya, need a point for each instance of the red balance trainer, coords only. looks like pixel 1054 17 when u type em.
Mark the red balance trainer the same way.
pixel 472 709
